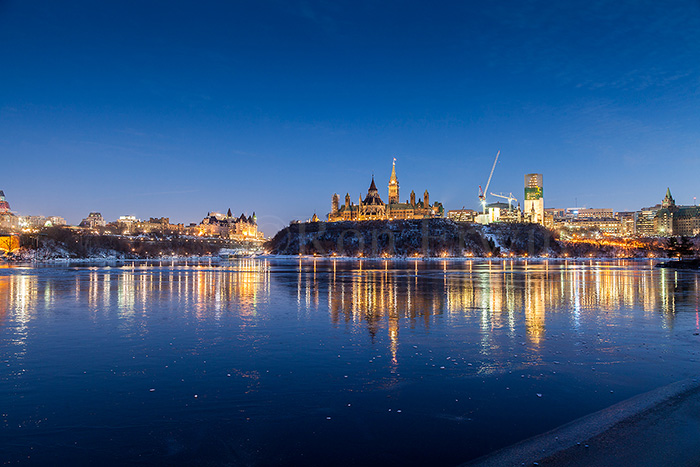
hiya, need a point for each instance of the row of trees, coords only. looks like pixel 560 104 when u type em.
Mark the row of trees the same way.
pixel 438 237
pixel 59 242
pixel 683 247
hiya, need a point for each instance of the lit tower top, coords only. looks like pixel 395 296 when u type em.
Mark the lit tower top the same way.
pixel 372 198
pixel 4 205
pixel 393 185
pixel 668 201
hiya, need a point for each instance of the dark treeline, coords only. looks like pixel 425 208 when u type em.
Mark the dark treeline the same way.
pixel 401 238
pixel 60 242
pixel 442 237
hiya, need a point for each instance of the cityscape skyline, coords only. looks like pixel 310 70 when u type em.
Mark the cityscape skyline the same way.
pixel 145 111
pixel 490 200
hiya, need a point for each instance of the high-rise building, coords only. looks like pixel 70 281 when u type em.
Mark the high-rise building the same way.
pixel 533 208
pixel 628 222
pixel 644 222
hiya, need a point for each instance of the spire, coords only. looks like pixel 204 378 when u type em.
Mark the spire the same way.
pixel 393 185
pixel 372 186
pixel 228 214
pixel 668 201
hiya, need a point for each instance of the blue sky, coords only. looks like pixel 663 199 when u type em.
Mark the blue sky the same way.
pixel 178 108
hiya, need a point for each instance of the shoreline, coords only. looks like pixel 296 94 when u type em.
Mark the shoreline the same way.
pixel 461 258
pixel 453 259
pixel 612 436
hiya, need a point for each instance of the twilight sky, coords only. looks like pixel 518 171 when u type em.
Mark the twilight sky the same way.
pixel 178 108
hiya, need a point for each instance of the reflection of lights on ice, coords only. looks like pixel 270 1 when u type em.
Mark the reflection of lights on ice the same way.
pixel 378 298
pixel 498 296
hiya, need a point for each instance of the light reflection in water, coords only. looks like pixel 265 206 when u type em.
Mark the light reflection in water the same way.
pixel 131 290
pixel 382 296
pixel 378 296
pixel 284 337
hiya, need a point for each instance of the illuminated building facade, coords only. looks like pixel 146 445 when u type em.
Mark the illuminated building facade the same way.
pixel 8 221
pixel 628 221
pixel 4 205
pixel 595 213
pixel 672 220
pixel 132 225
pixel 37 222
pixel 533 208
pixel 373 208
pixel 93 220
pixel 502 212
pixel 644 221
pixel 462 215
pixel 227 226
pixel 606 226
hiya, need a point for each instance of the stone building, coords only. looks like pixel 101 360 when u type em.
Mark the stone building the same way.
pixel 373 208
pixel 227 226
pixel 8 220
pixel 93 220
pixel 673 220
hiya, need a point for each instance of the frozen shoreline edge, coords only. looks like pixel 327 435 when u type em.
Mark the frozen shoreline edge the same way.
pixel 335 258
pixel 574 434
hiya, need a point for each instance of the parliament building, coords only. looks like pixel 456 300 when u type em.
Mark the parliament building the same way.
pixel 373 208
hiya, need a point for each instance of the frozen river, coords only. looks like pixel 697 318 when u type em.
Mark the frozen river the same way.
pixel 323 362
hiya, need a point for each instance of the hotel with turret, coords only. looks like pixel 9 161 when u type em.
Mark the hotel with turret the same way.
pixel 373 208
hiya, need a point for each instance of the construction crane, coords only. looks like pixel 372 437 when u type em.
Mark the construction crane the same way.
pixel 510 199
pixel 482 193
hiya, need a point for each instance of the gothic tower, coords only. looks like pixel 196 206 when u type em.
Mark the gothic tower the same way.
pixel 426 199
pixel 413 198
pixel 393 185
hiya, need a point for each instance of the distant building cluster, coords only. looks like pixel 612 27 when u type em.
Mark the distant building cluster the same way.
pixel 214 224
pixel 9 221
pixel 662 220
pixel 373 208
pixel 132 225
pixel 499 211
